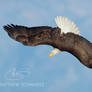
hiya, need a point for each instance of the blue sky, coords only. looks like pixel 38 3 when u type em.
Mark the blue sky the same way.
pixel 62 72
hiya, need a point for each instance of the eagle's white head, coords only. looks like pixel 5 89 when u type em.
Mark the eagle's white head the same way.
pixel 66 26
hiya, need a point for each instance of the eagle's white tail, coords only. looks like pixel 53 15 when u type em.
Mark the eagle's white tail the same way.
pixel 66 25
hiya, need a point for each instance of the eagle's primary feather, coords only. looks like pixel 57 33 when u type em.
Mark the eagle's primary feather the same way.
pixel 70 42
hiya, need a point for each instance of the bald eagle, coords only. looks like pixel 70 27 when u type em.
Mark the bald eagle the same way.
pixel 64 37
pixel 65 26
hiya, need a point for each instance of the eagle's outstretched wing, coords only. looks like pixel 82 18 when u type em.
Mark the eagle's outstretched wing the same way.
pixel 30 36
pixel 72 43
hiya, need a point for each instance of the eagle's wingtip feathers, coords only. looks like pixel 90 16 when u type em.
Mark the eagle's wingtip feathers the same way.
pixel 8 27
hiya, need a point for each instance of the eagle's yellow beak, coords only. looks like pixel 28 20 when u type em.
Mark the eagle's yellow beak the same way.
pixel 51 54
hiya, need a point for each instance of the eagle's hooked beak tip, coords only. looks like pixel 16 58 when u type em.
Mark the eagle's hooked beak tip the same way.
pixel 50 55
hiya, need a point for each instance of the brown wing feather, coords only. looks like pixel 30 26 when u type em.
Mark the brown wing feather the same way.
pixel 30 36
pixel 74 44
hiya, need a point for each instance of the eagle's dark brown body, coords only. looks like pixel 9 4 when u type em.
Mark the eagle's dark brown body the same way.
pixel 74 44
